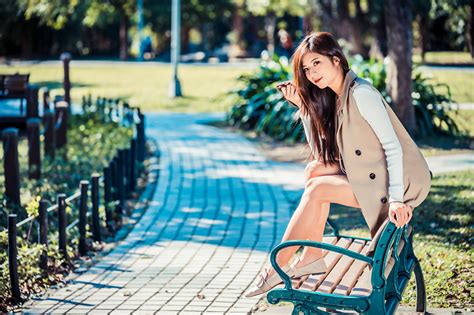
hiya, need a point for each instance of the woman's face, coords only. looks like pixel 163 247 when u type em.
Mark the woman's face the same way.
pixel 319 69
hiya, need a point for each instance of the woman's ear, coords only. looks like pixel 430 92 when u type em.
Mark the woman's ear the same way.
pixel 336 60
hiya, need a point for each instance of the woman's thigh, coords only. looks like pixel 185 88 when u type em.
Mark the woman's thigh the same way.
pixel 331 188
pixel 317 168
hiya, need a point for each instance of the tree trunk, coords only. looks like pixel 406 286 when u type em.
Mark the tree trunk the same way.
pixel 123 34
pixel 378 47
pixel 423 28
pixel 238 47
pixel 270 24
pixel 470 30
pixel 399 83
pixel 185 38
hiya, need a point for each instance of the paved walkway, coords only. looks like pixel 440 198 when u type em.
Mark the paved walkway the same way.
pixel 218 209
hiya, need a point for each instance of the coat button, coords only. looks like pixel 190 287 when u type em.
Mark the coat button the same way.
pixel 372 175
pixel 383 200
pixel 358 152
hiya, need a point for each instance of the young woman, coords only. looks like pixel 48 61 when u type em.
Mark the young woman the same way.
pixel 363 156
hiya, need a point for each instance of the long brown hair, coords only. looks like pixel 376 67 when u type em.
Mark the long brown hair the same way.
pixel 319 104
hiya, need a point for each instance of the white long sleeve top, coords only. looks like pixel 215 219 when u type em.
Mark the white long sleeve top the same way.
pixel 372 108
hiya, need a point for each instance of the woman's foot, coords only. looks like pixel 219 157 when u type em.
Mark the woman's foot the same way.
pixel 266 280
pixel 310 262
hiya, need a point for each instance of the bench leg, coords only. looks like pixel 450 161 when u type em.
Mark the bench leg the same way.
pixel 302 309
pixel 420 288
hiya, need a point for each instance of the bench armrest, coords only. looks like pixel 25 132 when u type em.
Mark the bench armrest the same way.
pixel 286 279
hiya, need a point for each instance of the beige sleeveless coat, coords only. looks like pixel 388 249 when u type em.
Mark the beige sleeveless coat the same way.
pixel 364 160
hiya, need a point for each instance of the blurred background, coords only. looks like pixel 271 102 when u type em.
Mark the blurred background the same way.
pixel 224 29
pixel 104 59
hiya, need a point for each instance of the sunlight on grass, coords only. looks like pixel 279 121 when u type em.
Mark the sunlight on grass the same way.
pixel 460 83
pixel 444 57
pixel 142 85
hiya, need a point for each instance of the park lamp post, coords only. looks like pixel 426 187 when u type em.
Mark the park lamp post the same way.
pixel 140 29
pixel 175 86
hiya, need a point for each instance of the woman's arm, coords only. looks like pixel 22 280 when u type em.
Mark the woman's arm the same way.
pixel 373 110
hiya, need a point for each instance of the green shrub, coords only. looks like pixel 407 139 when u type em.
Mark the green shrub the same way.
pixel 91 145
pixel 260 106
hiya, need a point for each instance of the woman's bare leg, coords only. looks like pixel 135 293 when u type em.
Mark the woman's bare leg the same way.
pixel 316 169
pixel 312 211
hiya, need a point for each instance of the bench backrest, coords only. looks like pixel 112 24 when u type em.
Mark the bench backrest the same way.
pixel 13 85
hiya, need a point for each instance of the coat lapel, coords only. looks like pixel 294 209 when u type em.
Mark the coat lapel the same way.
pixel 348 79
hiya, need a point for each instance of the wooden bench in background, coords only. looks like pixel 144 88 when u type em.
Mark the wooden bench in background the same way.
pixel 363 276
pixel 14 86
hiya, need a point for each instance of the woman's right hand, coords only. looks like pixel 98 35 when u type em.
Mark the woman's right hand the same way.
pixel 288 89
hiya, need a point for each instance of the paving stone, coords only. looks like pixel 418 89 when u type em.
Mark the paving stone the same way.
pixel 207 231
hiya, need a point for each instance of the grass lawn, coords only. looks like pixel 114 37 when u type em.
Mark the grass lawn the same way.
pixel 147 85
pixel 143 85
pixel 443 57
pixel 443 240
pixel 460 82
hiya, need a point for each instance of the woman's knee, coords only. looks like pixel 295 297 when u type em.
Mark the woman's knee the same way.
pixel 315 188
pixel 317 168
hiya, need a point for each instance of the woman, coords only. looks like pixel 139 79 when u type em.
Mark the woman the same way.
pixel 363 156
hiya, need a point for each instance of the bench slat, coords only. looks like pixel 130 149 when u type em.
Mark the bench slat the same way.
pixel 351 276
pixel 364 284
pixel 327 239
pixel 313 281
pixel 341 268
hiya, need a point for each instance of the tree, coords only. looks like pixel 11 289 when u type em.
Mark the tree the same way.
pixel 421 10
pixel 398 18
pixel 457 19
pixel 103 13
pixel 344 18
pixel 271 10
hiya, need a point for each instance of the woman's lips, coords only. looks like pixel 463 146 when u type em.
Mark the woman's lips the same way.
pixel 318 80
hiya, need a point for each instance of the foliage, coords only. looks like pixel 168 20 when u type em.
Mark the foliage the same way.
pixel 443 240
pixel 53 13
pixel 91 144
pixel 259 106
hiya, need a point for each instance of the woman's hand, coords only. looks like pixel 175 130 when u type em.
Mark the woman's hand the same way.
pixel 400 213
pixel 288 89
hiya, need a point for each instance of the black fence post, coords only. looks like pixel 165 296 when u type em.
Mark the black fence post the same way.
pixel 141 137
pixel 11 167
pixel 34 151
pixel 13 258
pixel 45 100
pixel 43 236
pixel 95 208
pixel 120 185
pixel 66 58
pixel 32 108
pixel 84 104
pixel 133 161
pixel 126 171
pixel 49 134
pixel 61 122
pixel 108 196
pixel 62 224
pixel 83 218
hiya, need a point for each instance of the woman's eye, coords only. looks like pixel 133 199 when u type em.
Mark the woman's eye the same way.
pixel 316 63
pixel 305 69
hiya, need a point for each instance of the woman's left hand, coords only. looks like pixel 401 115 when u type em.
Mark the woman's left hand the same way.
pixel 400 213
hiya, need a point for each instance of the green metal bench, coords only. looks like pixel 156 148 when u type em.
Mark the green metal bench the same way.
pixel 364 276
